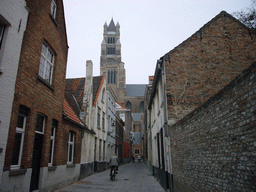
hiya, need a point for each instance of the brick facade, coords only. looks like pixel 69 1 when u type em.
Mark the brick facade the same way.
pixel 207 61
pixel 215 144
pixel 38 96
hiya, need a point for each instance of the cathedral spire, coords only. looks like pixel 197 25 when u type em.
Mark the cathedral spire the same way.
pixel 112 26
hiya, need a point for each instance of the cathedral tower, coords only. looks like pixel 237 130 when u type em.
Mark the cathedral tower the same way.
pixel 110 61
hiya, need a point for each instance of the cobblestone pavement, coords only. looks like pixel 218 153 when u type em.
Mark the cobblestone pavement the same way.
pixel 132 177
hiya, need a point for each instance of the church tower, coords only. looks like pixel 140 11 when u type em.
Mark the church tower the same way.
pixel 110 61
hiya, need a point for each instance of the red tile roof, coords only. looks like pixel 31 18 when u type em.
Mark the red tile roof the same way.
pixel 99 89
pixel 70 113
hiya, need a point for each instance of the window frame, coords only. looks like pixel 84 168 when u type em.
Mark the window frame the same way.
pixel 22 132
pixel 136 150
pixel 2 30
pixel 43 126
pixel 98 117
pixel 52 144
pixel 71 143
pixel 103 120
pixel 53 9
pixel 45 61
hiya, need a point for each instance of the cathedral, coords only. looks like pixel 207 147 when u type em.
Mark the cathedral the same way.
pixel 129 95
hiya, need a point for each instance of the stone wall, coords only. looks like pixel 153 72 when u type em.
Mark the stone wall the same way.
pixel 213 148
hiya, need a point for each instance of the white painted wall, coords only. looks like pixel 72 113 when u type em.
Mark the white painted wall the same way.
pixel 111 114
pixel 60 177
pixel 14 14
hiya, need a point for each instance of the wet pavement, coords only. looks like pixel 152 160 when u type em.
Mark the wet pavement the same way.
pixel 132 177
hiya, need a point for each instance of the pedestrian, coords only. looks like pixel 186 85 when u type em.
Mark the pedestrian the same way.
pixel 113 162
pixel 133 158
pixel 139 158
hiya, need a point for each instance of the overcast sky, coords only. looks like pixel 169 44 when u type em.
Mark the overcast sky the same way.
pixel 148 30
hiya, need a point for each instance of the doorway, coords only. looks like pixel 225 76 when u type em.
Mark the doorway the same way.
pixel 36 161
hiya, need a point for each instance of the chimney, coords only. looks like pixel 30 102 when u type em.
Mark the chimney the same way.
pixel 88 91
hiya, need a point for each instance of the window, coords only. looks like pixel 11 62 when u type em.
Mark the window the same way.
pixel 111 40
pixel 40 123
pixel 46 63
pixel 98 118
pixel 111 51
pixel 112 76
pixel 53 9
pixel 71 144
pixel 103 121
pixel 137 151
pixel 104 144
pixel 19 138
pixel 103 95
pixel 142 106
pixel 2 27
pixel 54 127
pixel 100 150
pixel 129 105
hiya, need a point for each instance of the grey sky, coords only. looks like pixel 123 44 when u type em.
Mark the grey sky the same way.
pixel 148 30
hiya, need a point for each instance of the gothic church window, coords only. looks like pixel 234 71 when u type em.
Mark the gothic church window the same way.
pixel 111 51
pixel 129 105
pixel 142 106
pixel 112 76
pixel 111 40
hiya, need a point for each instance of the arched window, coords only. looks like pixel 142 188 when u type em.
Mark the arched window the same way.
pixel 129 105
pixel 142 106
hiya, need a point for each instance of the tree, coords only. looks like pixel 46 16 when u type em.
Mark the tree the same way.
pixel 248 17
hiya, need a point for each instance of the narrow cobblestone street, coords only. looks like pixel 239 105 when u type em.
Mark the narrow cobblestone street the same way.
pixel 133 177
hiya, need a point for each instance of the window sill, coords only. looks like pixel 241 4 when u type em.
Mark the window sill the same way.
pixel 71 165
pixel 45 82
pixel 54 21
pixel 52 168
pixel 98 127
pixel 16 172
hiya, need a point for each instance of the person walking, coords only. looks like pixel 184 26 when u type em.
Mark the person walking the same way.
pixel 139 158
pixel 133 158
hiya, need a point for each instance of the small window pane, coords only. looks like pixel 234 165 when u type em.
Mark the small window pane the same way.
pixel 70 153
pixel 40 123
pixel 20 122
pixel 50 157
pixel 16 149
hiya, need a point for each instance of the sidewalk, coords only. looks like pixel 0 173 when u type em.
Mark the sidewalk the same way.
pixel 133 177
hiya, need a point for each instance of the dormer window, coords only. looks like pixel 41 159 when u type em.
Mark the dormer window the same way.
pixel 53 9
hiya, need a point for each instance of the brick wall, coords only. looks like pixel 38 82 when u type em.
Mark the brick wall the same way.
pixel 216 143
pixel 30 90
pixel 207 61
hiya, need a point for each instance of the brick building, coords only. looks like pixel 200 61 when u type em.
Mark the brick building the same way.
pixel 13 21
pixel 43 145
pixel 215 144
pixel 188 76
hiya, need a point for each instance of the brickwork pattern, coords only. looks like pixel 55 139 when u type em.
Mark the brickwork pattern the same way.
pixel 216 143
pixel 206 62
pixel 34 93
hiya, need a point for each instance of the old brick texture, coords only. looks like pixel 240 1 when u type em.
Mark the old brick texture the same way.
pixel 216 143
pixel 33 92
pixel 207 61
